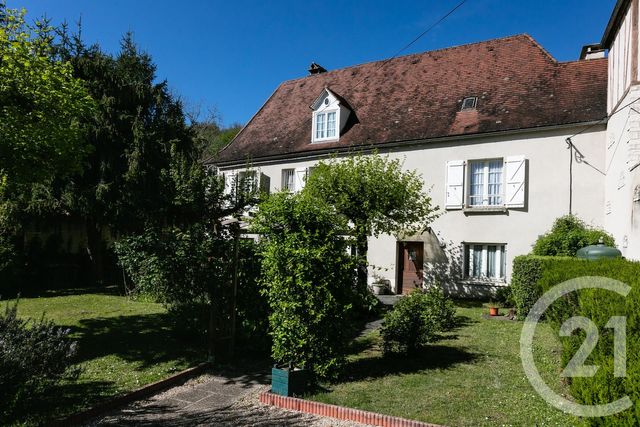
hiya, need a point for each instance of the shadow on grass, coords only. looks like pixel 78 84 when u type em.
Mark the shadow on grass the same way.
pixel 431 357
pixel 148 339
pixel 60 401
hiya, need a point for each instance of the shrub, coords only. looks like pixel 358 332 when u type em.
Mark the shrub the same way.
pixel 34 357
pixel 309 280
pixel 568 234
pixel 504 296
pixel 415 320
pixel 540 274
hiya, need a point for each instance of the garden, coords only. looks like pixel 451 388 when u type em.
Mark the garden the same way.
pixel 123 259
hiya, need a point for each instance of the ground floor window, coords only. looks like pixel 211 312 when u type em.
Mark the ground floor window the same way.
pixel 485 260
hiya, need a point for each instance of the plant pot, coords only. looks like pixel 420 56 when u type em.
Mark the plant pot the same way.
pixel 494 311
pixel 379 288
pixel 287 381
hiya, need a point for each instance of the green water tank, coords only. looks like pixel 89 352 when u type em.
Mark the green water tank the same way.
pixel 598 251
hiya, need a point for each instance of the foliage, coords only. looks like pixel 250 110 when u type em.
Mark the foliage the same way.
pixel 308 279
pixel 504 296
pixel 415 320
pixel 480 354
pixel 211 136
pixel 42 105
pixel 568 234
pixel 376 195
pixel 598 306
pixel 34 356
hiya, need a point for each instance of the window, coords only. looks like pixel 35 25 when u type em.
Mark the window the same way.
pixel 469 103
pixel 288 179
pixel 485 183
pixel 325 125
pixel 485 261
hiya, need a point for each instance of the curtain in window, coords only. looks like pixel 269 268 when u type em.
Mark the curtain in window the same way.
pixel 477 261
pixel 503 262
pixel 331 125
pixel 477 183
pixel 491 261
pixel 495 182
pixel 320 126
pixel 288 176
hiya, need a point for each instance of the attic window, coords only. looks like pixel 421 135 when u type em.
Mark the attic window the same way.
pixel 329 116
pixel 469 103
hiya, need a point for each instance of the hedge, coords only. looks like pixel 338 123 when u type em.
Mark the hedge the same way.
pixel 534 275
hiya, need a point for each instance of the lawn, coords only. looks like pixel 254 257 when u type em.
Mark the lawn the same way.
pixel 123 344
pixel 471 377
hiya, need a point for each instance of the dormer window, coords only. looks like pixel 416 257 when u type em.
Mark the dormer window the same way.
pixel 329 116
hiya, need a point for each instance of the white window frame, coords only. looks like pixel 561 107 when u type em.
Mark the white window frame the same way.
pixel 500 261
pixel 325 115
pixel 288 176
pixel 485 183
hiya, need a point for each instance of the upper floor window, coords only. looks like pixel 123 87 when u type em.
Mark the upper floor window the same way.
pixel 329 115
pixel 486 183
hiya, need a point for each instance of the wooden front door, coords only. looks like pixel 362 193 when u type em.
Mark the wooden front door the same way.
pixel 412 263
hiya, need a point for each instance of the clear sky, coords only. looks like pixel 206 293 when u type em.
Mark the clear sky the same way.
pixel 231 54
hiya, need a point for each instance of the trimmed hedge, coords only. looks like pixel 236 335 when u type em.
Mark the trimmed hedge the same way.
pixel 534 275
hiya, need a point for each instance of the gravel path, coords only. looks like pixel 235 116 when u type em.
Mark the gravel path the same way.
pixel 214 400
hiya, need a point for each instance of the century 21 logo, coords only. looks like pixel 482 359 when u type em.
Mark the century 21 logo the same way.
pixel 576 366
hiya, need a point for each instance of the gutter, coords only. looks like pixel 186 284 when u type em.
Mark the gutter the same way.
pixel 369 148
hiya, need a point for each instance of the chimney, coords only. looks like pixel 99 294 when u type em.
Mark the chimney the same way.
pixel 592 51
pixel 316 69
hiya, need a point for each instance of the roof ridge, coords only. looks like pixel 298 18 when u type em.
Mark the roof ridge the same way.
pixel 393 58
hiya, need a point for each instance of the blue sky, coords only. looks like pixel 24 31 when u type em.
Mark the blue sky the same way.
pixel 231 55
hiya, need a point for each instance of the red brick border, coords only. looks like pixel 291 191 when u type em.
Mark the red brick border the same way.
pixel 141 393
pixel 338 412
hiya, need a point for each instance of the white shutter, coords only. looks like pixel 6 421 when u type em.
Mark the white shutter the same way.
pixel 455 185
pixel 300 178
pixel 229 182
pixel 515 170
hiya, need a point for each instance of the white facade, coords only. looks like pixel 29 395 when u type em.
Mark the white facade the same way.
pixel 545 196
pixel 622 181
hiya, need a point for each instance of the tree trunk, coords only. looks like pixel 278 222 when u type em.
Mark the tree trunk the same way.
pixel 94 250
pixel 362 247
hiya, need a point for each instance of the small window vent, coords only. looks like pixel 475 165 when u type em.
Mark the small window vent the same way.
pixel 469 103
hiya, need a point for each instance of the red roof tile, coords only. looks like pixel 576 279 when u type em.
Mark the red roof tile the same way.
pixel 518 85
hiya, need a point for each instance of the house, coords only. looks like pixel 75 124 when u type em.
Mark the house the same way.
pixel 507 137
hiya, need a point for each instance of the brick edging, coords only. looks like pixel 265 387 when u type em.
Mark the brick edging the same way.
pixel 338 412
pixel 141 393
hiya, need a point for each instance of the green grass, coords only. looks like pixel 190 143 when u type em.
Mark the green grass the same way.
pixel 123 345
pixel 471 377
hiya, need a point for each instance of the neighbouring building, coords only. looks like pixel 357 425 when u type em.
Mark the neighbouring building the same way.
pixel 507 137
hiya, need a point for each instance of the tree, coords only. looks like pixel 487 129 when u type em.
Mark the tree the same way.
pixel 42 105
pixel 43 109
pixel 375 195
pixel 307 277
pixel 568 234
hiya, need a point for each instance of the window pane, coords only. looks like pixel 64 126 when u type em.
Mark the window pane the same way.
pixel 320 126
pixel 476 189
pixel 467 260
pixel 331 125
pixel 491 261
pixel 477 261
pixel 495 182
pixel 287 179
pixel 503 262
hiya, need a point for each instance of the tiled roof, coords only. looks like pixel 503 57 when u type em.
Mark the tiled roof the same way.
pixel 414 97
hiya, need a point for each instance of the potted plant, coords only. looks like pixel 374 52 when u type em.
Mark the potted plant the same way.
pixel 287 380
pixel 380 285
pixel 494 308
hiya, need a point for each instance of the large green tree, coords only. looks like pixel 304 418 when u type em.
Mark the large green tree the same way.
pixel 42 105
pixel 376 195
